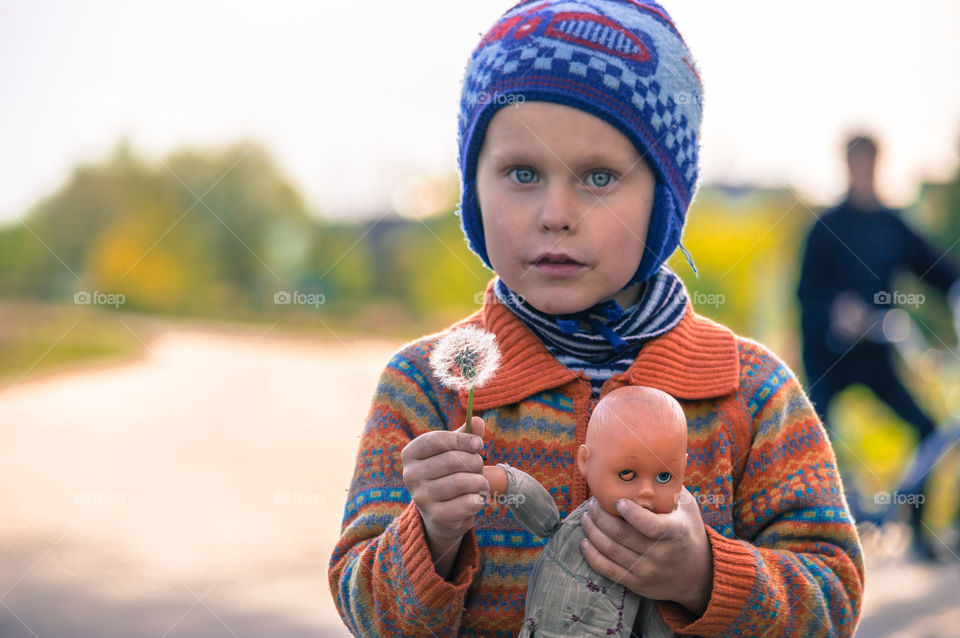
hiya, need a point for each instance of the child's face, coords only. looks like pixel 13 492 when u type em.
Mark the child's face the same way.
pixel 646 469
pixel 554 180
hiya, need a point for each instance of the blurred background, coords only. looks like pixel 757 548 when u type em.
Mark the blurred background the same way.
pixel 218 220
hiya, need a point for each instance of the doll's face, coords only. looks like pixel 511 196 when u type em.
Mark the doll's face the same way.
pixel 646 468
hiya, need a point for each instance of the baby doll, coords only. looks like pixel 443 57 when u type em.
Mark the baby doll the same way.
pixel 636 448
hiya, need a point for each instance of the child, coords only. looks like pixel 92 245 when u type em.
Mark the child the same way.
pixel 636 448
pixel 578 134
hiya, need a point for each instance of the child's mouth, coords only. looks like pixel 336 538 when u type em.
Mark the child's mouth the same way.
pixel 557 264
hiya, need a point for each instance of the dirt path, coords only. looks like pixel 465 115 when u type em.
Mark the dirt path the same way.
pixel 214 468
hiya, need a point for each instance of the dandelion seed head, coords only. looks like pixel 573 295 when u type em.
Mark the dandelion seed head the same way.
pixel 465 358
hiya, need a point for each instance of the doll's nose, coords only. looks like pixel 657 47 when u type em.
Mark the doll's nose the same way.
pixel 644 492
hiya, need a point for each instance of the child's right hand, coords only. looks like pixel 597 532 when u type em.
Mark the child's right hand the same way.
pixel 444 475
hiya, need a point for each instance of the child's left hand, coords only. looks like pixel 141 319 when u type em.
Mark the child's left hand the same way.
pixel 658 556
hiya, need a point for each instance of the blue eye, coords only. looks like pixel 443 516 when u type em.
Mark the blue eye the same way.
pixel 524 175
pixel 623 475
pixel 600 179
pixel 664 477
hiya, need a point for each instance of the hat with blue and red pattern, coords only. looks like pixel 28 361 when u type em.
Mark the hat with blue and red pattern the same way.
pixel 621 60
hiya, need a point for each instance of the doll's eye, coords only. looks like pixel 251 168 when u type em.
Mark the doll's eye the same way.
pixel 664 477
pixel 627 475
pixel 524 175
pixel 600 179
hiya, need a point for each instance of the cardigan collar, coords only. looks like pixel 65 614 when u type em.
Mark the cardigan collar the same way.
pixel 697 359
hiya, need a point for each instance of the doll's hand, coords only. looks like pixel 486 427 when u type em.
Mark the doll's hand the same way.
pixel 497 479
pixel 658 556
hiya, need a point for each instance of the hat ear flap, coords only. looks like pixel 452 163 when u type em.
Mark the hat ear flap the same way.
pixel 472 223
pixel 663 233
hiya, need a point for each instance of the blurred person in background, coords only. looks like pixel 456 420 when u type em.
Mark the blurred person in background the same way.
pixel 853 253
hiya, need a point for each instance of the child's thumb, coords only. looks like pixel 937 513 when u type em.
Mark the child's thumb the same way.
pixel 477 427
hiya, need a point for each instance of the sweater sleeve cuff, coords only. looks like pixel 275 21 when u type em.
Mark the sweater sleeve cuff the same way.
pixel 430 588
pixel 734 574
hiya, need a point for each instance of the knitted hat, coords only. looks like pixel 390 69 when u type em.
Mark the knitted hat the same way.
pixel 620 60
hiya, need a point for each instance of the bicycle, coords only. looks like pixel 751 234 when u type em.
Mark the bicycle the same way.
pixel 938 456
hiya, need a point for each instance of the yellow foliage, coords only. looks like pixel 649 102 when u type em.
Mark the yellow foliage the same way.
pixel 130 258
pixel 747 251
pixel 873 441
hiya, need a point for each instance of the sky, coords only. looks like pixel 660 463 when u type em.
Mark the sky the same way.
pixel 357 101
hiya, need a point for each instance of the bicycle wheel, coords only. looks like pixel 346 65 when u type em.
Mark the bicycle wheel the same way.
pixel 941 516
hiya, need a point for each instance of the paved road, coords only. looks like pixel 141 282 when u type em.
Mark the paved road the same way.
pixel 214 468
pixel 198 491
pixel 905 599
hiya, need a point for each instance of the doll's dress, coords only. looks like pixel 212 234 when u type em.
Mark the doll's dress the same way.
pixel 565 597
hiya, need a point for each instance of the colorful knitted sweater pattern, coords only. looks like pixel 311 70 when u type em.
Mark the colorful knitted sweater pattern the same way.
pixel 786 557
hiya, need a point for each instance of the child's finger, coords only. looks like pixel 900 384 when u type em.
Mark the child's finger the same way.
pixel 651 525
pixel 455 515
pixel 454 486
pixel 451 463
pixel 438 442
pixel 604 566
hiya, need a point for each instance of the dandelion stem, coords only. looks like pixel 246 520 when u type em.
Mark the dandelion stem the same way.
pixel 469 409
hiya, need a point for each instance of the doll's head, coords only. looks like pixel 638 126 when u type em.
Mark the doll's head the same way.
pixel 636 448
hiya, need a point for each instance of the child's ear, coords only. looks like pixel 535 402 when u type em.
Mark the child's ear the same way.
pixel 583 455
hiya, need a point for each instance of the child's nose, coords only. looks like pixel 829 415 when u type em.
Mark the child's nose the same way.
pixel 558 211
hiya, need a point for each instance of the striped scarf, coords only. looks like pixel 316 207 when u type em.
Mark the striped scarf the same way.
pixel 604 340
